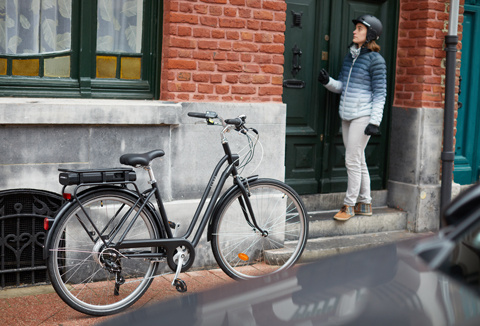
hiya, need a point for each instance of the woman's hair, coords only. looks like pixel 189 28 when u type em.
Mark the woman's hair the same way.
pixel 373 46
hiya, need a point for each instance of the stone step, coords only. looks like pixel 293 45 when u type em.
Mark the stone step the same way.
pixel 333 201
pixel 384 219
pixel 324 247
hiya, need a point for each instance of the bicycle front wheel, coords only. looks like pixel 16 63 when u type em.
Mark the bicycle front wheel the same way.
pixel 88 275
pixel 241 250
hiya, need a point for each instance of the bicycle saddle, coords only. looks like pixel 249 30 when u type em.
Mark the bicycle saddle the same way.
pixel 141 159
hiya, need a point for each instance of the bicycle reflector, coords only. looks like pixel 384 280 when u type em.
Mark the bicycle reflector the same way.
pixel 67 196
pixel 243 256
pixel 46 223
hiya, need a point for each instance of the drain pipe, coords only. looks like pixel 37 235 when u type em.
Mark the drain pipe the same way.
pixel 448 154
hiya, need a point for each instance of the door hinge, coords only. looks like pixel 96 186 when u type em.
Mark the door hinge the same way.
pixel 321 137
pixel 324 56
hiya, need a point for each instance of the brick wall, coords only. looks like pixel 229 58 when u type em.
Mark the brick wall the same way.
pixel 223 50
pixel 420 72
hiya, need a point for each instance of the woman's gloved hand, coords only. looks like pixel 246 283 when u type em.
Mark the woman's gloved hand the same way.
pixel 323 77
pixel 372 130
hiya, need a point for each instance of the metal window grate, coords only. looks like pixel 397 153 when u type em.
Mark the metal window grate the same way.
pixel 22 235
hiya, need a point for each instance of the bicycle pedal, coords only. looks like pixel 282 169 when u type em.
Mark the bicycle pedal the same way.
pixel 172 225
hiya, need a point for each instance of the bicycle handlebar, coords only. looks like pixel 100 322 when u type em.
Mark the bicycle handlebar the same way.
pixel 238 122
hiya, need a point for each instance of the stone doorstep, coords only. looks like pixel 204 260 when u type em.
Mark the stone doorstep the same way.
pixel 325 247
pixel 383 219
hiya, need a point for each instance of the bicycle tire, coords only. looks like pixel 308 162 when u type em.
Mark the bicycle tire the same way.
pixel 80 267
pixel 240 250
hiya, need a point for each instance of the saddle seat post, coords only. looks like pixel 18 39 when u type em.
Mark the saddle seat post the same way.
pixel 149 169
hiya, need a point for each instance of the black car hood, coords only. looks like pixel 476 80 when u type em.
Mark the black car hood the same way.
pixel 386 285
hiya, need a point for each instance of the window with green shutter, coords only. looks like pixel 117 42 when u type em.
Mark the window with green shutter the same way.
pixel 79 48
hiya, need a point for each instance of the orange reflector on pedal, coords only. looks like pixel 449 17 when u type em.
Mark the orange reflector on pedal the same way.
pixel 243 256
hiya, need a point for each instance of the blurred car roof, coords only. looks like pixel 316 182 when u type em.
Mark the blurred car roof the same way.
pixel 429 281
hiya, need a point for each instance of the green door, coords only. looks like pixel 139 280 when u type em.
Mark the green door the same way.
pixel 317 36
pixel 467 145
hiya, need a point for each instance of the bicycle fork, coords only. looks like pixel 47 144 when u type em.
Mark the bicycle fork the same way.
pixel 247 208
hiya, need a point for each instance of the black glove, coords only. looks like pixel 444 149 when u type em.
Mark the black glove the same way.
pixel 372 130
pixel 323 77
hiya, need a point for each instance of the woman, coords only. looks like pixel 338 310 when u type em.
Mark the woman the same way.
pixel 363 87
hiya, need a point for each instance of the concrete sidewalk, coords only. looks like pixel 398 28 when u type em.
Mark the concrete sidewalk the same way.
pixel 40 305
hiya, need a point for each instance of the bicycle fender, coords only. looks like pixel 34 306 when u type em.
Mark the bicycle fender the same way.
pixel 69 204
pixel 222 199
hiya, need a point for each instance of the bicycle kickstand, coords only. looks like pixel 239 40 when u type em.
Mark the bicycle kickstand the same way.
pixel 179 284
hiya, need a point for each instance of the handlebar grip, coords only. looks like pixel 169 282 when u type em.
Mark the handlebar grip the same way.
pixel 197 115
pixel 237 122
pixel 206 115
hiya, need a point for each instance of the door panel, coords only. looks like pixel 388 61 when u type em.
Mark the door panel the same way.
pixel 315 153
pixel 300 87
pixel 467 144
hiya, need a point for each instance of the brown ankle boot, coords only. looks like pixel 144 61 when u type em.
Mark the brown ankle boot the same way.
pixel 345 213
pixel 363 209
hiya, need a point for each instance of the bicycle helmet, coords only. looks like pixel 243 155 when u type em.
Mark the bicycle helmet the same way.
pixel 374 26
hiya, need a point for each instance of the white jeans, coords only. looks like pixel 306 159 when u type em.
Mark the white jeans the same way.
pixel 355 141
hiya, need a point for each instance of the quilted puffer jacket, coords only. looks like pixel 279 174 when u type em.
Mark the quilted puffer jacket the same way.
pixel 363 84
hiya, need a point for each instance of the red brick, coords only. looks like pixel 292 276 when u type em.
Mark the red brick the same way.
pixel 233 35
pixel 245 47
pixel 244 13
pixel 214 1
pixel 229 67
pixel 232 56
pixel 201 9
pixel 275 5
pixel 215 10
pixel 216 78
pixel 222 89
pixel 230 12
pixel 264 37
pixel 184 76
pixel 182 64
pixel 272 48
pixel 251 68
pixel 231 23
pixel 184 31
pixel 218 33
pixel 203 55
pixel 182 43
pixel 272 26
pixel 205 88
pixel 273 90
pixel 261 79
pixel 209 21
pixel 237 2
pixel 245 79
pixel 263 15
pixel 182 87
pixel 206 66
pixel 254 3
pixel 243 90
pixel 207 45
pixel 201 32
pixel 204 78
pixel 232 79
pixel 219 56
pixel 253 24
pixel 272 69
pixel 183 18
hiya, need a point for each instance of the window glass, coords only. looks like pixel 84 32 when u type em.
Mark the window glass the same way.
pixel 119 26
pixel 35 26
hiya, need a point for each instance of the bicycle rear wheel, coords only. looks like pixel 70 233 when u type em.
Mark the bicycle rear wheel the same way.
pixel 86 274
pixel 241 250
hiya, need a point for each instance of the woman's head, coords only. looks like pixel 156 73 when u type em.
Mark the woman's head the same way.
pixel 368 29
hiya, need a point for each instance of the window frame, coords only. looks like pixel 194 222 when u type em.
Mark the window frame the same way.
pixel 82 81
